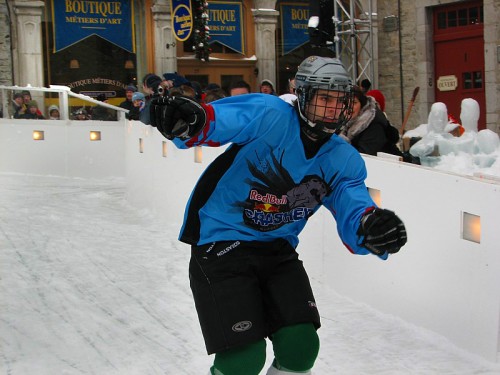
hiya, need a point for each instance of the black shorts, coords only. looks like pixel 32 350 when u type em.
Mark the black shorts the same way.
pixel 246 291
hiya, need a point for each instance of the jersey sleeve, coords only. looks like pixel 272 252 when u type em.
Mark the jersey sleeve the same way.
pixel 349 200
pixel 240 119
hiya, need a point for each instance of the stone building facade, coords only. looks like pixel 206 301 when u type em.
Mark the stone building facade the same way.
pixel 417 68
pixel 5 46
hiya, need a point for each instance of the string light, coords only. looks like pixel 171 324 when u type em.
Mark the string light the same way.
pixel 201 30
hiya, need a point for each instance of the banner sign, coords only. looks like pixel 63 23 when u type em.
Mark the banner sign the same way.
pixel 75 20
pixel 182 19
pixel 226 24
pixel 294 31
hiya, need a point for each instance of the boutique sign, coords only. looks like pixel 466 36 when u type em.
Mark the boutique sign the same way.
pixel 294 31
pixel 225 21
pixel 75 20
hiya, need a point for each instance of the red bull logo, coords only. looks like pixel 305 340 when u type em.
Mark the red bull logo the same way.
pixel 266 207
pixel 268 198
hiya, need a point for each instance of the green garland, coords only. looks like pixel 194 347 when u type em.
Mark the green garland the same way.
pixel 201 30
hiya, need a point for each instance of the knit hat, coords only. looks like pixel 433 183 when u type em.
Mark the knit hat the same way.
pixel 138 96
pixel 53 107
pixel 131 88
pixel 32 103
pixel 267 82
pixel 379 97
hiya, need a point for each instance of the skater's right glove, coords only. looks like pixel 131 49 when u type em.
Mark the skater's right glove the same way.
pixel 381 232
pixel 177 116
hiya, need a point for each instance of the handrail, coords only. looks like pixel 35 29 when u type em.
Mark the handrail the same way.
pixel 64 92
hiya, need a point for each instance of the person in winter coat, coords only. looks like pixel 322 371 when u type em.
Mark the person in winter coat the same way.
pixel 248 208
pixel 53 111
pixel 32 112
pixel 18 106
pixel 368 130
pixel 127 103
pixel 102 113
pixel 139 102
pixel 151 88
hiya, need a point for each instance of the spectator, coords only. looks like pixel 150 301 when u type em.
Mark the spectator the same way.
pixel 365 85
pixel 27 98
pixel 53 111
pixel 18 106
pixel 368 129
pixel 239 88
pixel 150 87
pixel 197 88
pixel 139 102
pixel 183 89
pixel 290 96
pixel 379 98
pixel 127 103
pixel 81 114
pixel 267 87
pixel 33 113
pixel 171 80
pixel 102 113
pixel 291 86
pixel 212 86
pixel 214 95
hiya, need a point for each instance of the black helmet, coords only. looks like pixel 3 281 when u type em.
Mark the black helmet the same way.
pixel 328 75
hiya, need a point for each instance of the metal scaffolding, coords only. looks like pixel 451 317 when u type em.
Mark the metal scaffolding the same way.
pixel 353 38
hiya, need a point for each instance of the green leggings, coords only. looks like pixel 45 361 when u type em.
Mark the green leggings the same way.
pixel 295 349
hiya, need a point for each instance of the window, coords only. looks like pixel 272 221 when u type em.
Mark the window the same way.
pixel 459 17
pixel 472 80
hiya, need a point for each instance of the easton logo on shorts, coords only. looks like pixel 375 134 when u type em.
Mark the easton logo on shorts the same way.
pixel 234 245
pixel 243 326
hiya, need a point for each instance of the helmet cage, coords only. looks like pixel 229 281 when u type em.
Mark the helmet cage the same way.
pixel 327 74
pixel 342 109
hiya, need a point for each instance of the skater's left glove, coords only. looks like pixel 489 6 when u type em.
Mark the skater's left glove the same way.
pixel 178 116
pixel 381 232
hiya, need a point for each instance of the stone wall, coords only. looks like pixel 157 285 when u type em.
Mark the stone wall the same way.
pixel 492 63
pixel 416 55
pixel 397 92
pixel 5 51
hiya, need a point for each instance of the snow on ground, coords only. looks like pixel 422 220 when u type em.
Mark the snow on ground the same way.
pixel 89 285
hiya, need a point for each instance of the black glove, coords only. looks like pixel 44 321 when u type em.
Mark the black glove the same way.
pixel 381 232
pixel 177 116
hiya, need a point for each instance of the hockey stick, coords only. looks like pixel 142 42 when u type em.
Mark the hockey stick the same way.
pixel 408 111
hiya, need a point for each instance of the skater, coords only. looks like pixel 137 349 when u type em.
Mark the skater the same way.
pixel 246 211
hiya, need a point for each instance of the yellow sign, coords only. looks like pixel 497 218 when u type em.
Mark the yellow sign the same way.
pixel 447 83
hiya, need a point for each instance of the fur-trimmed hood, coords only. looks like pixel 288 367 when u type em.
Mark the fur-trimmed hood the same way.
pixel 359 123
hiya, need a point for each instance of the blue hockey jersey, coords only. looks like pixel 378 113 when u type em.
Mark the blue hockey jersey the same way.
pixel 264 186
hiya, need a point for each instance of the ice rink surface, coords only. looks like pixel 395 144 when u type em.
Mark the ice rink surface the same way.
pixel 89 285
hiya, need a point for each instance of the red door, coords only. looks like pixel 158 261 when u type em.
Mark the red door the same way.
pixel 459 56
